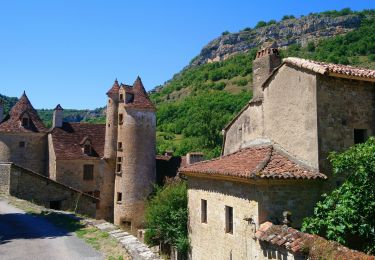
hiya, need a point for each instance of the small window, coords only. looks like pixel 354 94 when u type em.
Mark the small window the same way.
pixel 228 219
pixel 119 196
pixel 87 149
pixel 204 211
pixel 121 97
pixel 129 98
pixel 119 146
pixel 360 136
pixel 96 194
pixel 118 164
pixel 21 144
pixel 88 172
pixel 120 119
pixel 55 204
pixel 25 121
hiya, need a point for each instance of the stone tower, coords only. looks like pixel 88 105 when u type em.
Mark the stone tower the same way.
pixel 110 146
pixel 267 59
pixel 135 162
pixel 58 115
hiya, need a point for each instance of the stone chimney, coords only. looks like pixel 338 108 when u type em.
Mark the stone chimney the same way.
pixel 267 59
pixel 1 110
pixel 194 158
pixel 58 115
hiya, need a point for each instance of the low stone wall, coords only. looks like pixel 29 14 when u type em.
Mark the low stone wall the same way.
pixel 28 185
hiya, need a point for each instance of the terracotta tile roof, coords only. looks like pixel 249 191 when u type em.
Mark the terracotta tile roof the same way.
pixel 114 89
pixel 13 122
pixel 141 99
pixel 305 244
pixel 68 140
pixel 329 68
pixel 260 162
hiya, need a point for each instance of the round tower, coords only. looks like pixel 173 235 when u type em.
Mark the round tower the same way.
pixel 110 145
pixel 136 162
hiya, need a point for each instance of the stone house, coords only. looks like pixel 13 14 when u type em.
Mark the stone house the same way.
pixel 275 153
pixel 114 162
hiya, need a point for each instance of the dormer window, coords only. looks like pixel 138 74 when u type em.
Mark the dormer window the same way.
pixel 25 121
pixel 129 98
pixel 87 147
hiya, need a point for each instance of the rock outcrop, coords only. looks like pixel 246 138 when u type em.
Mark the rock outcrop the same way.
pixel 287 32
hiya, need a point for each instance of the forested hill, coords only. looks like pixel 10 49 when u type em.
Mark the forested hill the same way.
pixel 199 101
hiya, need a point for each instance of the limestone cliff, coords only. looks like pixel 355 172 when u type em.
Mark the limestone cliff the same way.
pixel 290 31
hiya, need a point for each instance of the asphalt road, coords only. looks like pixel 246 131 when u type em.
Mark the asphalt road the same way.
pixel 24 236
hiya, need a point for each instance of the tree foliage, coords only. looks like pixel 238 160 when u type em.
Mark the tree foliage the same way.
pixel 347 215
pixel 167 216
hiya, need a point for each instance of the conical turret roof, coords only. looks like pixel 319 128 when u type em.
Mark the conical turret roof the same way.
pixel 114 89
pixel 141 99
pixel 13 123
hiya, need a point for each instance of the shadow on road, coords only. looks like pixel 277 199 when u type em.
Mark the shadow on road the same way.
pixel 32 226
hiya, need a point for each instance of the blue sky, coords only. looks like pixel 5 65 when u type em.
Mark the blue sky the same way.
pixel 70 52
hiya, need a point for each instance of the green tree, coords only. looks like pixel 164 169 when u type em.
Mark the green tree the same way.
pixel 347 215
pixel 167 216
pixel 260 24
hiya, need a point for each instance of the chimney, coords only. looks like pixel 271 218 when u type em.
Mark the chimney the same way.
pixel 1 110
pixel 192 158
pixel 267 59
pixel 58 116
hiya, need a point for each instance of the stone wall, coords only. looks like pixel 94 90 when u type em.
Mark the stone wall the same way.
pixel 70 173
pixel 287 116
pixel 290 117
pixel 253 203
pixel 343 105
pixel 31 155
pixel 28 185
pixel 135 182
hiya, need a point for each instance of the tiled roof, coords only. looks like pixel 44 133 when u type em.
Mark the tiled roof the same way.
pixel 259 162
pixel 329 68
pixel 303 243
pixel 68 140
pixel 13 123
pixel 114 89
pixel 141 99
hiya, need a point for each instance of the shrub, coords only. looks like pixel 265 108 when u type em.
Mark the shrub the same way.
pixel 167 216
pixel 225 33
pixel 241 82
pixel 260 24
pixel 347 215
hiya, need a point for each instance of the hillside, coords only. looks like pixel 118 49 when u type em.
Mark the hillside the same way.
pixel 182 111
pixel 197 102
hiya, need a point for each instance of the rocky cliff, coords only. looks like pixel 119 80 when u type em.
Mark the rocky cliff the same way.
pixel 290 31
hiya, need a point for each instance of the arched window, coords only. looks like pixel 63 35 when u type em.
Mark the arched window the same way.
pixel 87 147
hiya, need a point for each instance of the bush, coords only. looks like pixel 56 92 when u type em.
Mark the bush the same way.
pixel 260 24
pixel 167 216
pixel 225 33
pixel 347 215
pixel 241 82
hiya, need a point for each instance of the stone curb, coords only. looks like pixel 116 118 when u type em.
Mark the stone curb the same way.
pixel 136 249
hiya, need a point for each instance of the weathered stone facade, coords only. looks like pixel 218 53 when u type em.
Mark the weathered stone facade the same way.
pixel 29 185
pixel 304 110
pixel 253 203
pixel 84 156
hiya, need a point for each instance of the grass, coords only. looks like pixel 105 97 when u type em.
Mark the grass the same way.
pixel 98 239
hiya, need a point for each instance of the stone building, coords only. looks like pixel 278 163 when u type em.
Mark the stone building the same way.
pixel 113 162
pixel 275 153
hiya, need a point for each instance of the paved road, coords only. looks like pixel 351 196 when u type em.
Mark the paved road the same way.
pixel 23 236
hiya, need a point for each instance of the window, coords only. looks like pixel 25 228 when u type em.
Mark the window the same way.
pixel 120 119
pixel 118 164
pixel 360 136
pixel 119 196
pixel 25 121
pixel 87 149
pixel 21 144
pixel 119 146
pixel 121 97
pixel 129 98
pixel 96 194
pixel 88 172
pixel 228 219
pixel 204 211
pixel 55 204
